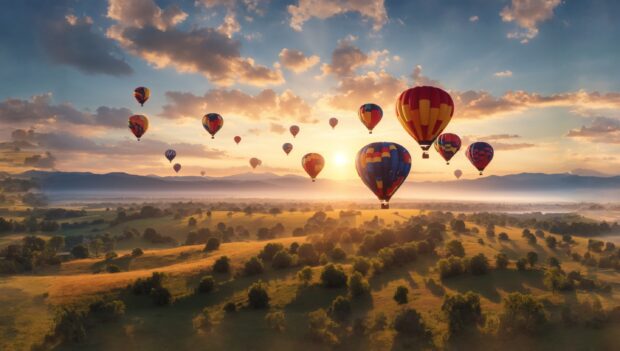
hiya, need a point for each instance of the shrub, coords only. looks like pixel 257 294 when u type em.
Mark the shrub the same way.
pixel 333 276
pixel 222 265
pixel 553 262
pixel 408 322
pixel 305 275
pixel 321 328
pixel 143 286
pixel 450 267
pixel 230 307
pixel 532 258
pixel 338 254
pixel 340 308
pixel 107 310
pixel 110 255
pixel 362 265
pixel 137 252
pixel 455 248
pixel 479 264
pixel 521 264
pixel 556 280
pixel 161 296
pixel 281 260
pixel 70 325
pixel 501 261
pixel 212 244
pixel 400 296
pixel 462 311
pixel 80 251
pixel 270 250
pixel 276 320
pixel 307 255
pixel 521 313
pixel 207 284
pixel 257 295
pixel 112 268
pixel 539 233
pixel 253 266
pixel 551 242
pixel 203 320
pixel 358 285
pixel 503 236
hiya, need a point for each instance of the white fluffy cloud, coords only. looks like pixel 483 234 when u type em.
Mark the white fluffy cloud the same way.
pixel 373 10
pixel 528 14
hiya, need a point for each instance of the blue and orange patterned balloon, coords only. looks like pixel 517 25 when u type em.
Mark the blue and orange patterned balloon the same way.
pixel 370 115
pixel 141 94
pixel 170 154
pixel 383 167
pixel 480 155
pixel 447 145
pixel 212 122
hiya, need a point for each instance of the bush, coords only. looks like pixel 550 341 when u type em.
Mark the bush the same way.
pixel 556 280
pixel 137 252
pixel 462 311
pixel 161 296
pixel 362 265
pixel 450 267
pixel 333 277
pixel 207 284
pixel 479 264
pixel 553 262
pixel 400 296
pixel 112 268
pixel 107 310
pixel 307 255
pixel 338 254
pixel 70 325
pixel 270 250
pixel 532 258
pixel 522 313
pixel 203 320
pixel 305 275
pixel 253 266
pixel 521 264
pixel 340 308
pixel 143 286
pixel 551 242
pixel 257 295
pixel 80 251
pixel 230 307
pixel 281 260
pixel 321 328
pixel 408 322
pixel 503 236
pixel 455 248
pixel 276 320
pixel 212 244
pixel 222 265
pixel 110 255
pixel 358 285
pixel 501 261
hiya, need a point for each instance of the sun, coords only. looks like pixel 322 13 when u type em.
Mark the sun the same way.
pixel 340 159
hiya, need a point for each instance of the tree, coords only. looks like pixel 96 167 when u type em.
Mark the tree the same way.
pixel 340 308
pixel 462 311
pixel 479 264
pixel 358 285
pixel 275 211
pixel 521 264
pixel 257 295
pixel 501 261
pixel 532 258
pixel 56 243
pixel 207 284
pixel 551 241
pixel 450 267
pixel 110 255
pixel 321 328
pixel 553 262
pixel 95 246
pixel 458 226
pixel 191 222
pixel 80 251
pixel 253 266
pixel 276 320
pixel 107 311
pixel 455 248
pixel 555 280
pixel 270 250
pixel 408 322
pixel 362 265
pixel 282 260
pixel 400 296
pixel 307 255
pixel 112 268
pixel 305 275
pixel 522 313
pixel 222 265
pixel 503 236
pixel 212 244
pixel 338 254
pixel 161 296
pixel 137 252
pixel 333 276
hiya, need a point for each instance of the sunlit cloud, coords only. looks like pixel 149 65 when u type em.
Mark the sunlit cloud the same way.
pixel 373 10
pixel 528 14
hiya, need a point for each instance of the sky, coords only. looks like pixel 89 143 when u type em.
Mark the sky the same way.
pixel 535 78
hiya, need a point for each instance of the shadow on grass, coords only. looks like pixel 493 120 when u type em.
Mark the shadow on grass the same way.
pixel 488 285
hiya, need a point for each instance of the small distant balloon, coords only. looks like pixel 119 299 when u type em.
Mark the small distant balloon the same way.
pixel 333 122
pixel 237 139
pixel 202 173
pixel 447 145
pixel 480 155
pixel 294 130
pixel 176 167
pixel 287 147
pixel 141 94
pixel 458 173
pixel 138 124
pixel 254 162
pixel 170 154
pixel 212 122
pixel 313 164
pixel 370 115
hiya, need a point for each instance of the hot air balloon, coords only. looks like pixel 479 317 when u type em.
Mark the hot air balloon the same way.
pixel 294 130
pixel 458 173
pixel 313 164
pixel 424 112
pixel 480 155
pixel 176 167
pixel 447 145
pixel 141 94
pixel 333 122
pixel 212 122
pixel 287 147
pixel 255 162
pixel 370 115
pixel 138 124
pixel 170 154
pixel 202 173
pixel 383 167
pixel 237 139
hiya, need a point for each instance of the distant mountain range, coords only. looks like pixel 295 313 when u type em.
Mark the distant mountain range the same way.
pixel 565 186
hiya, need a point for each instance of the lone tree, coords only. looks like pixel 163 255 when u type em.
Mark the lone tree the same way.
pixel 80 251
pixel 501 261
pixel 401 295
pixel 455 248
pixel 253 266
pixel 257 295
pixel 408 322
pixel 479 264
pixel 532 258
pixel 212 244
pixel 333 276
pixel 462 311
pixel 222 265
pixel 522 313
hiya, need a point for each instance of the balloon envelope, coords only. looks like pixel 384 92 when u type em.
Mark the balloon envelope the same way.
pixel 424 112
pixel 458 173
pixel 447 145
pixel 480 155
pixel 370 115
pixel 313 164
pixel 294 130
pixel 237 139
pixel 176 167
pixel 170 154
pixel 333 122
pixel 138 124
pixel 202 173
pixel 212 122
pixel 141 94
pixel 255 162
pixel 383 167
pixel 287 147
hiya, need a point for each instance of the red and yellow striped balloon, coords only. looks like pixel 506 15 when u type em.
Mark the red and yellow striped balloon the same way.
pixel 424 112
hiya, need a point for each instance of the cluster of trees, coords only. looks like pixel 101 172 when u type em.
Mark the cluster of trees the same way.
pixel 152 287
pixel 33 252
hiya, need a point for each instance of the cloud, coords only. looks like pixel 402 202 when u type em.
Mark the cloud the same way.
pixel 473 19
pixel 503 74
pixel 230 25
pixel 72 41
pixel 497 141
pixel 373 10
pixel 265 104
pixel 377 87
pixel 144 13
pixel 601 130
pixel 419 79
pixel 346 58
pixel 296 60
pixel 39 109
pixel 277 128
pixel 45 161
pixel 528 14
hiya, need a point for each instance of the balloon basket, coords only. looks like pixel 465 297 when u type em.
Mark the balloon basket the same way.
pixel 370 132
pixel 212 137
pixel 425 155
pixel 448 163
pixel 385 206
pixel 313 180
pixel 480 173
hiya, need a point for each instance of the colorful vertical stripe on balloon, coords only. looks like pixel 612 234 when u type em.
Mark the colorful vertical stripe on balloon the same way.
pixel 447 145
pixel 212 122
pixel 370 115
pixel 141 94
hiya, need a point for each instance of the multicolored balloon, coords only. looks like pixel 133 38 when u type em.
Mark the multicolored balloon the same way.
pixel 294 130
pixel 370 115
pixel 138 124
pixel 237 139
pixel 202 173
pixel 254 162
pixel 170 154
pixel 141 94
pixel 212 122
pixel 447 145
pixel 287 147
pixel 313 164
pixel 383 167
pixel 333 122
pixel 176 167
pixel 458 173
pixel 480 155
pixel 424 112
